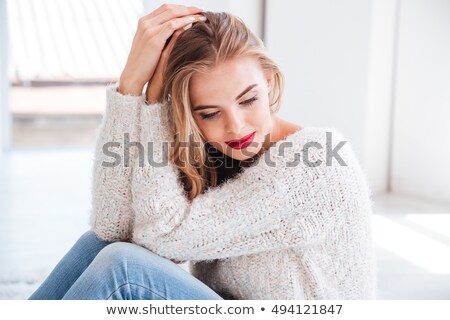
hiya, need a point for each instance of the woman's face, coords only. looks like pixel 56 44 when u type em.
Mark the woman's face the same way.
pixel 230 102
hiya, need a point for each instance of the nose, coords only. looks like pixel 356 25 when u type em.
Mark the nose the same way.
pixel 235 122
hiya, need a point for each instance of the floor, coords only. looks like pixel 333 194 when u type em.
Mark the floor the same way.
pixel 45 201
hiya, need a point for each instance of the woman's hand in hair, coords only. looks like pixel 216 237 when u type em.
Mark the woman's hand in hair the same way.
pixel 148 44
pixel 155 85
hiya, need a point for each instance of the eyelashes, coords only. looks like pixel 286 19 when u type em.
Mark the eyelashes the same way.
pixel 212 115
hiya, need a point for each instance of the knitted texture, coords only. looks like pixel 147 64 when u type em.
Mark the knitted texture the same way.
pixel 283 228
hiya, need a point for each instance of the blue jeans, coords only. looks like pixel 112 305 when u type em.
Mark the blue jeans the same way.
pixel 95 269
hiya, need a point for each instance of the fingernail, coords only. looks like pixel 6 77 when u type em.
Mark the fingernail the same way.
pixel 202 18
pixel 192 18
pixel 187 27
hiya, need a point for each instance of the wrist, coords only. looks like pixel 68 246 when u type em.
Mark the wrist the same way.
pixel 130 87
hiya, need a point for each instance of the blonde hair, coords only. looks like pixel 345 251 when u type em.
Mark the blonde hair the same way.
pixel 221 37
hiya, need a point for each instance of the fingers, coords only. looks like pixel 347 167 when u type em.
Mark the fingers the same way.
pixel 170 11
pixel 161 23
pixel 171 26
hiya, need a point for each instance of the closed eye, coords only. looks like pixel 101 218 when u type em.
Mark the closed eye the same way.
pixel 212 115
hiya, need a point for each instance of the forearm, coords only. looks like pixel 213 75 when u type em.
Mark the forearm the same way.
pixel 112 214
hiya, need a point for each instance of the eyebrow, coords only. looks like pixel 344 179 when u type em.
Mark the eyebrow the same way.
pixel 240 95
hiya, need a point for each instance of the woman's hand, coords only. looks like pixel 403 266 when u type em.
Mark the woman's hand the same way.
pixel 148 45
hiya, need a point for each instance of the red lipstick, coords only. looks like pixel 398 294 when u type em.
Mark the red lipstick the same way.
pixel 244 142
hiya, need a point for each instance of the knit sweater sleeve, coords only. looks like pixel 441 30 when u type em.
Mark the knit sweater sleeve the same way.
pixel 269 206
pixel 111 215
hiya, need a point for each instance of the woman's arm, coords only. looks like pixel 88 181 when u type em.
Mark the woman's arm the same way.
pixel 265 208
pixel 112 215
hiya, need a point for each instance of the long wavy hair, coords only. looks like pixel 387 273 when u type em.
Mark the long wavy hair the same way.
pixel 206 44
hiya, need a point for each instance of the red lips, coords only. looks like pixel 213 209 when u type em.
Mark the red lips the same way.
pixel 244 142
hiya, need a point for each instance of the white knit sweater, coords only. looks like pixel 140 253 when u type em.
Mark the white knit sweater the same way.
pixel 275 231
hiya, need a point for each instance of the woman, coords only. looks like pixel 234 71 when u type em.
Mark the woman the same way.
pixel 278 221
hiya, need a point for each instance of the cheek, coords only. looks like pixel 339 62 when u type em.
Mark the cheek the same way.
pixel 261 114
pixel 208 129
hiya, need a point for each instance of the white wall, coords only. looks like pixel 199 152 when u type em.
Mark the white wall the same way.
pixel 421 146
pixel 378 122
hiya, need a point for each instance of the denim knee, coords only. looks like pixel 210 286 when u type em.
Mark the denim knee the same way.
pixel 131 255
pixel 116 253
pixel 126 254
